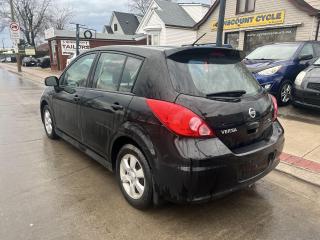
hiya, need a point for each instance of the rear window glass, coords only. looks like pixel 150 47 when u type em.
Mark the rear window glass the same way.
pixel 210 73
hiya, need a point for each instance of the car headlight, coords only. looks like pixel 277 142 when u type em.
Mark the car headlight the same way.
pixel 267 86
pixel 300 78
pixel 269 71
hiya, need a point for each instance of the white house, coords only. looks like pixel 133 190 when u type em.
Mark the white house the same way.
pixel 169 23
pixel 122 23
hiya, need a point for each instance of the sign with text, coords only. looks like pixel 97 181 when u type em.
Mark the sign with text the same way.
pixel 69 46
pixel 260 19
pixel 14 30
pixel 30 51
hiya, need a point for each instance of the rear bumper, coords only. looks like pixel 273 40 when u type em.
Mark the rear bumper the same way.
pixel 210 170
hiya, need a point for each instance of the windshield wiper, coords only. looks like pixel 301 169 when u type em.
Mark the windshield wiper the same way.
pixel 237 93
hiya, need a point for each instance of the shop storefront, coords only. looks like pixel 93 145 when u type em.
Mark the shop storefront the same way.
pixel 252 23
pixel 62 44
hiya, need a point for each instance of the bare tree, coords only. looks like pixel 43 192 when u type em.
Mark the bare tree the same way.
pixel 60 17
pixel 139 7
pixel 32 16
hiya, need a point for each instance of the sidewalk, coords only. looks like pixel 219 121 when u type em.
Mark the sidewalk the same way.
pixel 301 154
pixel 301 157
pixel 35 74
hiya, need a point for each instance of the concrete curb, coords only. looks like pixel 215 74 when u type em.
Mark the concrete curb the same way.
pixel 299 173
pixel 298 167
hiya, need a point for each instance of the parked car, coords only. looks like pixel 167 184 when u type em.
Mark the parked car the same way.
pixel 182 124
pixel 307 87
pixel 43 62
pixel 276 66
pixel 11 59
pixel 29 62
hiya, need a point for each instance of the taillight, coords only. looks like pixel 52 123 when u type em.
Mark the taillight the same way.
pixel 179 119
pixel 275 108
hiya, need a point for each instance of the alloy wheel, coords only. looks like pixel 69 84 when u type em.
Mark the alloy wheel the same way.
pixel 132 176
pixel 48 121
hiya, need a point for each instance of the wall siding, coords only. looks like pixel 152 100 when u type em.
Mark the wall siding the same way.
pixel 196 12
pixel 115 21
pixel 293 15
pixel 177 37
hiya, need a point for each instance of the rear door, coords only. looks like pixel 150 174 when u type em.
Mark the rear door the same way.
pixel 206 80
pixel 106 102
pixel 66 102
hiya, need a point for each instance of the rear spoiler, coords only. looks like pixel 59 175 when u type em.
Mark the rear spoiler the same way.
pixel 228 52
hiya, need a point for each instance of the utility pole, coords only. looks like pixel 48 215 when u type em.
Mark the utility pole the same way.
pixel 222 12
pixel 17 54
pixel 77 38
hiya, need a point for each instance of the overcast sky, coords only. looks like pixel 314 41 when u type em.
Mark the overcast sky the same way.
pixel 93 13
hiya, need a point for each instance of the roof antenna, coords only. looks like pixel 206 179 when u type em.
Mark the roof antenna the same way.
pixel 198 39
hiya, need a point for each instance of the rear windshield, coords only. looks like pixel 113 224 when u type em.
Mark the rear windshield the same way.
pixel 210 73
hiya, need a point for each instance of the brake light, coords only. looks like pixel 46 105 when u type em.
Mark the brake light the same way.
pixel 179 119
pixel 275 108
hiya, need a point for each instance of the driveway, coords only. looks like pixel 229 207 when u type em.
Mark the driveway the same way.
pixel 50 190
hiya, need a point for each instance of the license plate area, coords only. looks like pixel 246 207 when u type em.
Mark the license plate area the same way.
pixel 252 168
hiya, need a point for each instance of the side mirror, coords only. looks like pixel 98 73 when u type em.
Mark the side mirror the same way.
pixel 52 81
pixel 305 57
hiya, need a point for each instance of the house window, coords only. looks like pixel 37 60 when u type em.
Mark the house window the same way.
pixel 245 6
pixel 154 39
pixel 115 27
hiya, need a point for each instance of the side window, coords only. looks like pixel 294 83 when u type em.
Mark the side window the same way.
pixel 317 49
pixel 130 74
pixel 307 50
pixel 77 74
pixel 109 70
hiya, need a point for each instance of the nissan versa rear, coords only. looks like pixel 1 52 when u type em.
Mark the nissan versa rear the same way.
pixel 185 124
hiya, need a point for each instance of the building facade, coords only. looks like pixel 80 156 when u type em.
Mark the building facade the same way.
pixel 170 23
pixel 252 23
pixel 62 44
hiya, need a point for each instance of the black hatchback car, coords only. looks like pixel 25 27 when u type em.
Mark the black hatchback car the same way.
pixel 184 124
pixel 306 91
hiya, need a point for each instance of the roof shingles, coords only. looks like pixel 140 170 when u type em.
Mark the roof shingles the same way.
pixel 172 14
pixel 128 22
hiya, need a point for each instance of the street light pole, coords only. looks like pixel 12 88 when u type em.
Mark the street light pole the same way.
pixel 222 12
pixel 17 54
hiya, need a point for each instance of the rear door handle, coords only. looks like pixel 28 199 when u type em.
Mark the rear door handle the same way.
pixel 116 106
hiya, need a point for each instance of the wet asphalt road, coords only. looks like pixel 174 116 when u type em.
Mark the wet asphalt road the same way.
pixel 49 190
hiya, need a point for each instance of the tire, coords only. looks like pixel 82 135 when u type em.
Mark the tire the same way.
pixel 134 177
pixel 48 123
pixel 284 95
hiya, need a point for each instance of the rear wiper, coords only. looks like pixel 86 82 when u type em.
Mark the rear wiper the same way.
pixel 238 93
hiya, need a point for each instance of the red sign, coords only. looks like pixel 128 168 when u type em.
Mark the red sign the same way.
pixel 15 31
pixel 14 27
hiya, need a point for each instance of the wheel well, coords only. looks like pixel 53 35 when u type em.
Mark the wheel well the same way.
pixel 43 103
pixel 117 145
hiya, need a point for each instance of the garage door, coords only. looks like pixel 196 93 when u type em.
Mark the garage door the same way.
pixel 259 38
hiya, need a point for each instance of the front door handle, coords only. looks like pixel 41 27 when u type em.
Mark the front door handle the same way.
pixel 116 106
pixel 76 98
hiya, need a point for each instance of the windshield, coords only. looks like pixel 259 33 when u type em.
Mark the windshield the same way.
pixel 204 74
pixel 274 52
